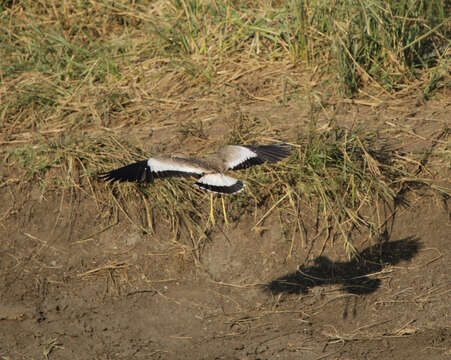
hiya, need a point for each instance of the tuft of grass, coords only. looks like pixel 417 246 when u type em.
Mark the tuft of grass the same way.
pixel 385 44
pixel 73 164
pixel 345 177
pixel 348 176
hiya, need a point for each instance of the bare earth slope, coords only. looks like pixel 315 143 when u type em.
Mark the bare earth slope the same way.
pixel 69 291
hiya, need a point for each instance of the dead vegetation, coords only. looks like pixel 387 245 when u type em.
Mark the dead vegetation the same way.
pixel 89 86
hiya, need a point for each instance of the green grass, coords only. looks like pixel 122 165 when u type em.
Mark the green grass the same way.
pixel 92 40
pixel 387 43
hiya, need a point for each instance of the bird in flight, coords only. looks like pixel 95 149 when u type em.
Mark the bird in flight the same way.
pixel 209 171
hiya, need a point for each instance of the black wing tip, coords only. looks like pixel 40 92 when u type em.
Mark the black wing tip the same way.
pixel 283 148
pixel 272 152
pixel 136 172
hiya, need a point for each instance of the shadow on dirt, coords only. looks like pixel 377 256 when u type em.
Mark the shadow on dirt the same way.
pixel 354 275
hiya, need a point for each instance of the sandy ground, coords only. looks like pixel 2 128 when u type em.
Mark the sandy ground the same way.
pixel 122 294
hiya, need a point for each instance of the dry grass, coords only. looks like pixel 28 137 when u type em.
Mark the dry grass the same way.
pixel 78 77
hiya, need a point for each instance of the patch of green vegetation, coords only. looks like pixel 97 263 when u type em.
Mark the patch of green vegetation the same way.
pixel 386 43
pixel 364 40
pixel 48 50
pixel 335 174
pixel 35 160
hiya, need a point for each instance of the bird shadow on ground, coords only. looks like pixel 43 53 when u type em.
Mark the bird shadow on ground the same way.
pixel 355 276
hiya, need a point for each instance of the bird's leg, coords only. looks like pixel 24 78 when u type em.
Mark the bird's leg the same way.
pixel 212 213
pixel 226 221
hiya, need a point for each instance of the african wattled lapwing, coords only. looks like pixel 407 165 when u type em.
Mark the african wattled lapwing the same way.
pixel 209 171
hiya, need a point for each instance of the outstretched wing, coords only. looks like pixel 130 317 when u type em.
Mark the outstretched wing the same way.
pixel 156 167
pixel 243 156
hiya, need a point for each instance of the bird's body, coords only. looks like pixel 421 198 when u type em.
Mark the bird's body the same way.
pixel 209 171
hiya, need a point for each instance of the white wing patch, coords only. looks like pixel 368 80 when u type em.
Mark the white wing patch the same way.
pixel 177 165
pixel 217 180
pixel 236 155
pixel 220 183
